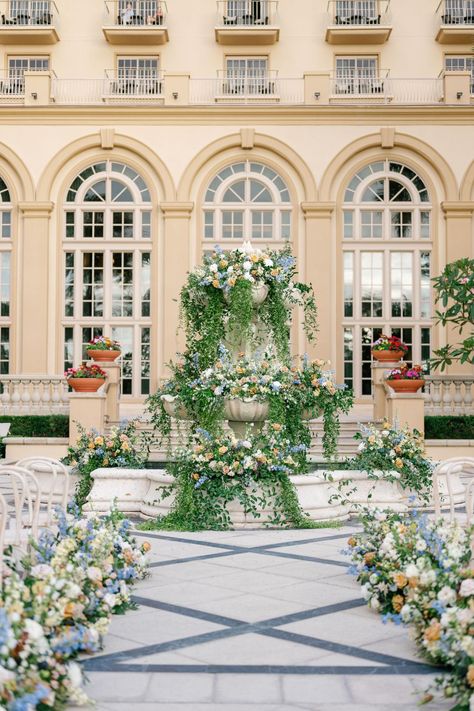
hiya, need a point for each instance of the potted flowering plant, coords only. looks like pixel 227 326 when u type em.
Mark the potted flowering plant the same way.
pixel 406 379
pixel 85 378
pixel 389 349
pixel 103 349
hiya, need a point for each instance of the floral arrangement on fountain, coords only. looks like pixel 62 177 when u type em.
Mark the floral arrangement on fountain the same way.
pixel 231 284
pixel 253 471
pixel 122 446
pixel 389 348
pixel 392 449
pixel 415 571
pixel 57 604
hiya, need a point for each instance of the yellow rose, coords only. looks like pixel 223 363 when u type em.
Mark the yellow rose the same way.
pixel 369 558
pixel 215 283
pixel 397 602
pixel 222 450
pixel 398 463
pixel 400 580
pixel 433 632
pixel 470 675
pixel 146 546
pixel 352 542
pixel 99 441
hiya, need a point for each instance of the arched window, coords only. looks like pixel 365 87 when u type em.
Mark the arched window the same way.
pixel 247 201
pixel 6 245
pixel 107 268
pixel 386 265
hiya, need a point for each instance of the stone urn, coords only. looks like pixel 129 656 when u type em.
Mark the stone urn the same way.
pixel 245 412
pixel 259 294
pixel 174 408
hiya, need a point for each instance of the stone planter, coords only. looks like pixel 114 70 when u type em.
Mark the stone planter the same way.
pixel 259 294
pixel 127 487
pixel 101 356
pixel 86 385
pixel 387 356
pixel 362 491
pixel 405 385
pixel 174 408
pixel 243 413
pixel 155 503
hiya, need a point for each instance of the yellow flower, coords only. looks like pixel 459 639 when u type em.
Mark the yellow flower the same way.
pixel 99 441
pixel 433 632
pixel 352 542
pixel 369 558
pixel 371 439
pixel 146 546
pixel 105 462
pixel 400 580
pixel 470 675
pixel 215 283
pixel 398 463
pixel 223 263
pixel 397 602
pixel 222 450
pixel 276 426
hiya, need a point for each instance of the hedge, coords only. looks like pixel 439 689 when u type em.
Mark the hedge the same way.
pixel 37 425
pixel 449 427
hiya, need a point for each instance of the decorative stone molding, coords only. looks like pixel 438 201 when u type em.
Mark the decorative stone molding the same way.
pixel 317 210
pixel 107 138
pixel 36 209
pixel 387 137
pixel 457 210
pixel 177 210
pixel 247 138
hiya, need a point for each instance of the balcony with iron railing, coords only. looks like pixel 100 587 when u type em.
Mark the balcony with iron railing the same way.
pixel 28 22
pixel 358 21
pixel 135 22
pixel 238 88
pixel 456 22
pixel 243 22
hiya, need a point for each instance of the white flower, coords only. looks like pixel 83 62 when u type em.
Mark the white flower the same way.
pixel 374 604
pixel 41 571
pixel 412 571
pixel 428 577
pixel 230 269
pixel 361 446
pixel 247 266
pixel 94 573
pixel 268 262
pixel 365 591
pixel 420 545
pixel 385 433
pixel 74 673
pixel 213 268
pixel 34 630
pixel 467 588
pixel 110 599
pixel 6 675
pixel 246 443
pixel 447 596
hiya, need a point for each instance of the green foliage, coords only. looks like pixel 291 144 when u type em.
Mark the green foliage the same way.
pixel 123 446
pixel 444 427
pixel 240 313
pixel 37 425
pixel 455 292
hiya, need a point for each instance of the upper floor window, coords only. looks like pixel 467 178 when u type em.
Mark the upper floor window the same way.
pixel 355 12
pixel 247 200
pixel 18 65
pixel 461 63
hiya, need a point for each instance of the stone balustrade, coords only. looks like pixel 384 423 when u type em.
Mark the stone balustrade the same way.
pixel 33 395
pixel 449 395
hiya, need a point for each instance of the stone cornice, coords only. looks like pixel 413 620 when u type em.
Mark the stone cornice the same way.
pixel 317 210
pixel 177 210
pixel 369 115
pixel 458 210
pixel 36 209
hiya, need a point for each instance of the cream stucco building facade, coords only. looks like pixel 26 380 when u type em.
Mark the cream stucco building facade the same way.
pixel 133 136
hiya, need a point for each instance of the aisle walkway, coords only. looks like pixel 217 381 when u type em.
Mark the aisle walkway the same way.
pixel 254 620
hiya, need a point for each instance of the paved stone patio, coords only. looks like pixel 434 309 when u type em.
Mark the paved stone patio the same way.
pixel 248 620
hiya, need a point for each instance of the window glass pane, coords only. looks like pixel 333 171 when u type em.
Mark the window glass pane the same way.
pixel 371 284
pixel 146 224
pixel 96 192
pixel 145 283
pixel 208 225
pixel 232 224
pixel 425 224
pixel 124 335
pixel 236 192
pixel 401 276
pixel 70 225
pixel 401 224
pixel 262 224
pixel 122 284
pixel 122 225
pixel 258 192
pixel 348 224
pixel 93 225
pixel 145 361
pixel 285 224
pixel 425 285
pixel 425 334
pixel 371 224
pixel 93 284
pixel 397 192
pixel 69 284
pixel 5 282
pixel 368 336
pixel 374 192
pixel 348 284
pixel 349 357
pixel 406 335
pixel 68 354
pixel 120 192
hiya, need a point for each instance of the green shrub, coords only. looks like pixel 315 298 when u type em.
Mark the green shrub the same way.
pixel 449 427
pixel 36 426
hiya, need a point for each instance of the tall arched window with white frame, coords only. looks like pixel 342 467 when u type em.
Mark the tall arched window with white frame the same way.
pixel 386 245
pixel 107 268
pixel 6 247
pixel 247 200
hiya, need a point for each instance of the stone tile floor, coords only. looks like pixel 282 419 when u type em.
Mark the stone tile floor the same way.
pixel 254 620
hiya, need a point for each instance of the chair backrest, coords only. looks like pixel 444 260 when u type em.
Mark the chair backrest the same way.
pixel 3 526
pixel 53 478
pixel 447 468
pixel 21 491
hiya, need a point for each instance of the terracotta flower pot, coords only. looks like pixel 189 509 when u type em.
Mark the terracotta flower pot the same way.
pixel 85 385
pixel 388 356
pixel 405 385
pixel 103 356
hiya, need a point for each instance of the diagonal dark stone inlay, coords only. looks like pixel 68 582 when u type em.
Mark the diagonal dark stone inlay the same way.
pixel 387 664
